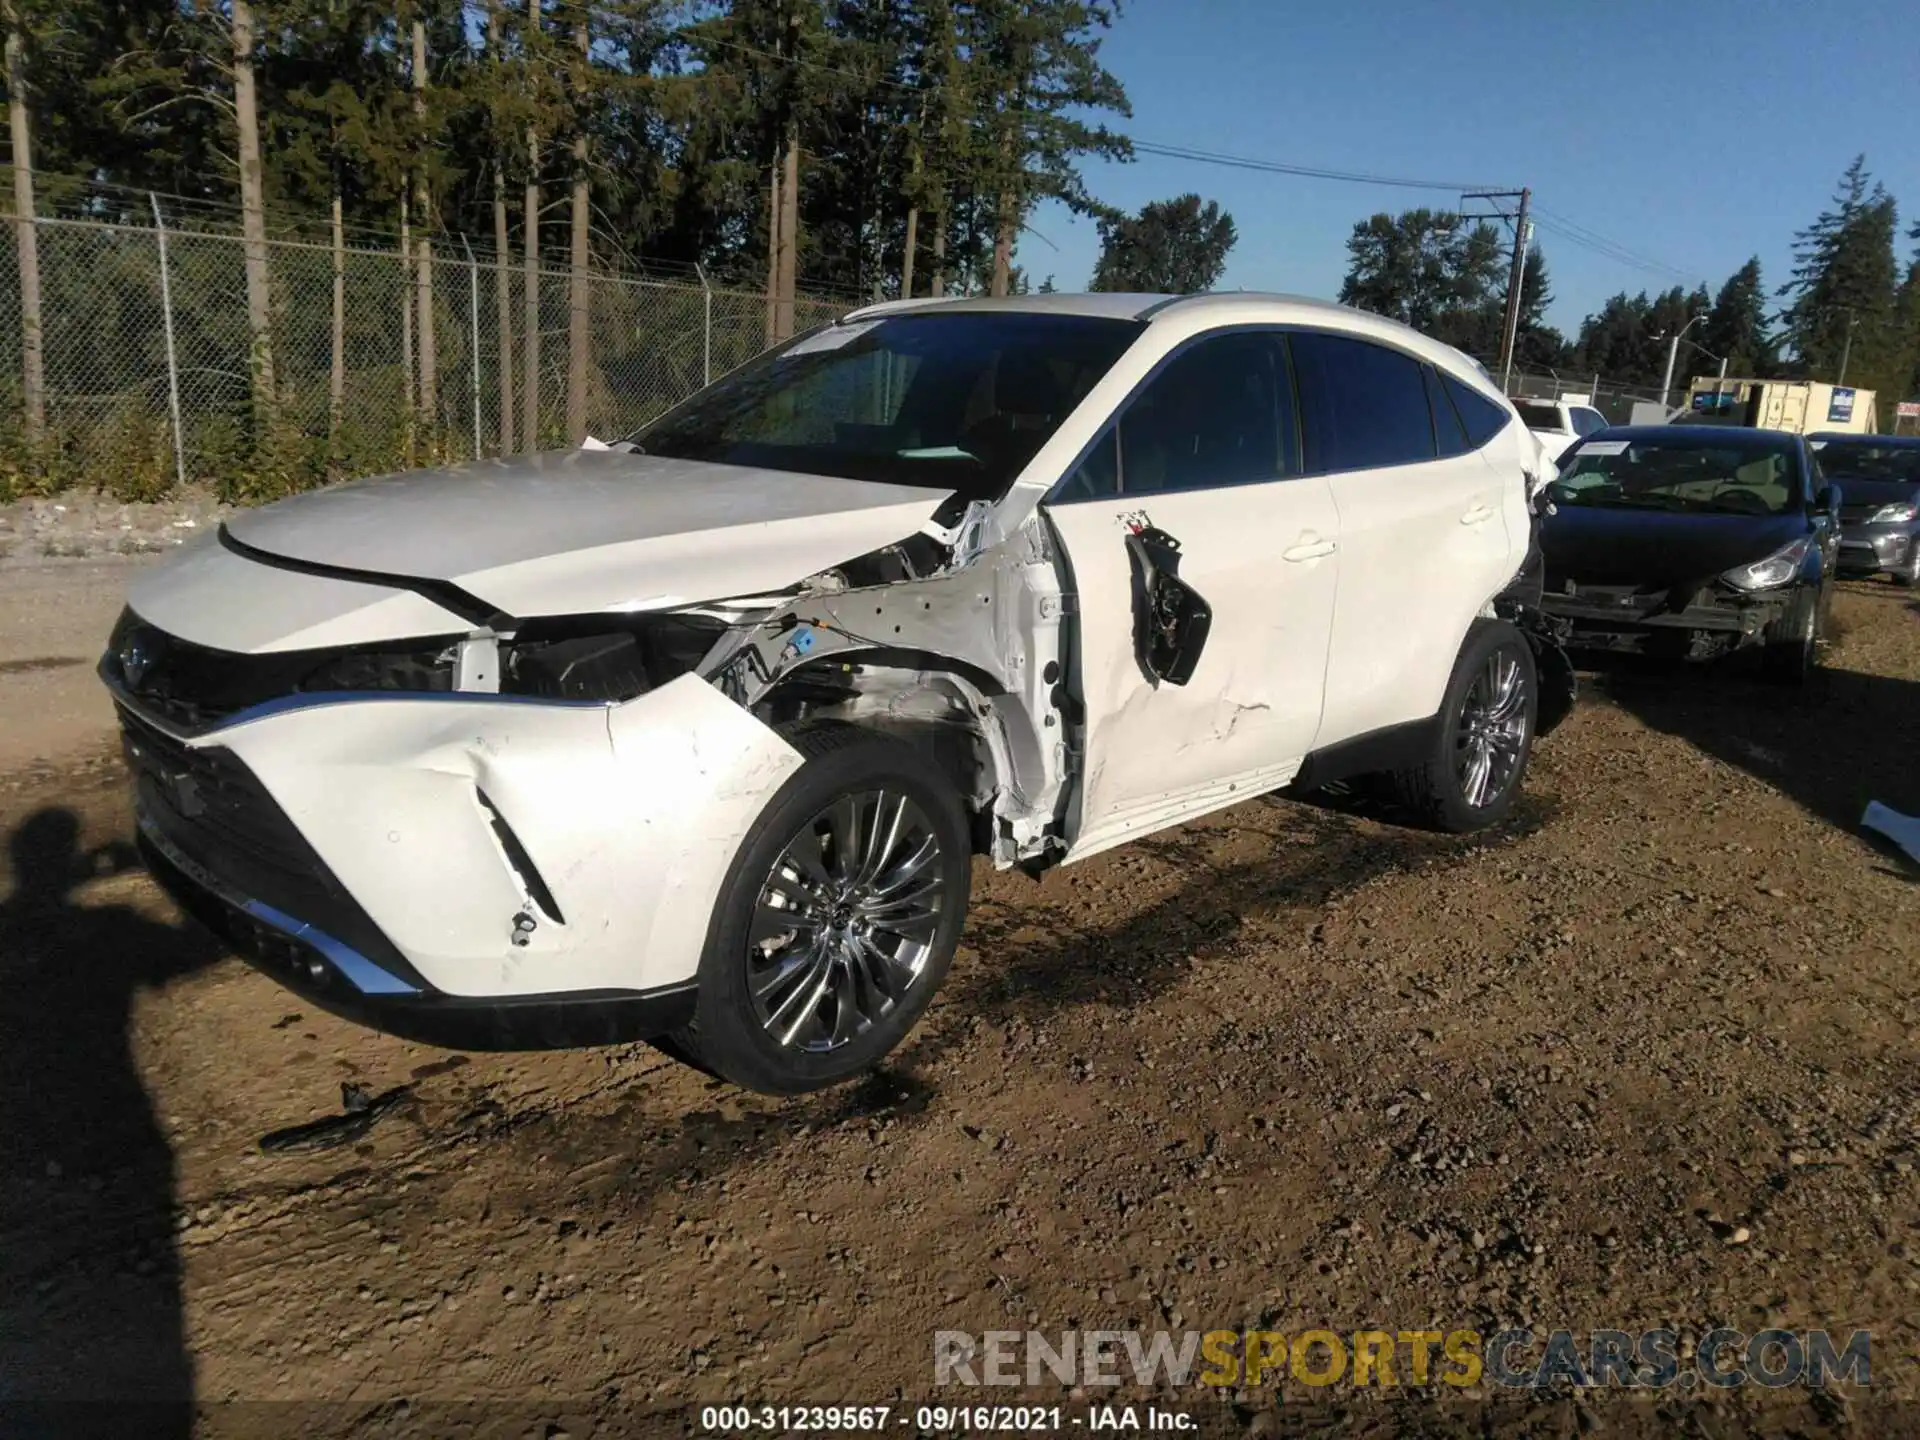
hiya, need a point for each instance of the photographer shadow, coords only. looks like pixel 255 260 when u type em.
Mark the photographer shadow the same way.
pixel 91 1330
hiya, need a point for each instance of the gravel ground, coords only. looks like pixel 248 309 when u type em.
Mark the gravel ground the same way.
pixel 1646 1058
pixel 86 523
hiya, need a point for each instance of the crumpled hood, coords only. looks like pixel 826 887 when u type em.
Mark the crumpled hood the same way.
pixel 580 531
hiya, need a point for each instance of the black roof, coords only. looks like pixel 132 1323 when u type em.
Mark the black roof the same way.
pixel 1892 442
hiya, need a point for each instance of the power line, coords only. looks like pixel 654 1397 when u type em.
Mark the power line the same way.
pixel 1593 240
pixel 1282 167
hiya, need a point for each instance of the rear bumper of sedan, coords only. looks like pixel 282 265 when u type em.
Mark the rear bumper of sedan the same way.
pixel 1870 549
pixel 475 871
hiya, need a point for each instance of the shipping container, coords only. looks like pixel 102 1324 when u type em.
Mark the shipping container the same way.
pixel 1804 406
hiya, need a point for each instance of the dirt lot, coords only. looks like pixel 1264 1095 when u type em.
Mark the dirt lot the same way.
pixel 1646 1059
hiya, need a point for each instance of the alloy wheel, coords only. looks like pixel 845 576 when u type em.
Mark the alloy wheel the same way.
pixel 1493 730
pixel 846 919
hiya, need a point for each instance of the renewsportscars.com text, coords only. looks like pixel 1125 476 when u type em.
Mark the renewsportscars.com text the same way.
pixel 1654 1359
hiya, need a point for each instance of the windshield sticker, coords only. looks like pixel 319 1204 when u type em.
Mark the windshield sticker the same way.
pixel 831 338
pixel 1604 447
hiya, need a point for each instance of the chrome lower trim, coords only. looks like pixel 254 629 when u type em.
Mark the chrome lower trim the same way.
pixel 365 976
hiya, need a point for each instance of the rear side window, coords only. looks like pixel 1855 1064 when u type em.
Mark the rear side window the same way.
pixel 1481 416
pixel 1362 405
pixel 1588 422
pixel 1449 431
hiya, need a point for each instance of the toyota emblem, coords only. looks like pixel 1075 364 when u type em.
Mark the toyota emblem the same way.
pixel 136 657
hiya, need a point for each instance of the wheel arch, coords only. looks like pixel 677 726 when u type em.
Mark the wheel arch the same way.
pixel 982 738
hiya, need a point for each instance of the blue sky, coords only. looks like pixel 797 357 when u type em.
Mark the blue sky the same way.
pixel 1693 135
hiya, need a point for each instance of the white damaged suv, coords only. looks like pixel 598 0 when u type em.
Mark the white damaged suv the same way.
pixel 695 737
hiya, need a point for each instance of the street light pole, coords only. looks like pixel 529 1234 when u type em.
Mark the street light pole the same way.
pixel 1846 349
pixel 1673 353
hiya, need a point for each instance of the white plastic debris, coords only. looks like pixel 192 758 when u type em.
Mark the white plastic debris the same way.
pixel 592 444
pixel 1902 830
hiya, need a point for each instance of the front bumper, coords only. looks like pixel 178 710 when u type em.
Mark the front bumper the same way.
pixel 467 869
pixel 331 974
pixel 1706 624
pixel 1870 549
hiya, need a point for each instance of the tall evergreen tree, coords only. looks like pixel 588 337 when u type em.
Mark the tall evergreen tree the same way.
pixel 1737 327
pixel 1844 281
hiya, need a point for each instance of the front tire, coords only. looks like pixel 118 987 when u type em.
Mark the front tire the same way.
pixel 1484 738
pixel 1791 646
pixel 837 920
pixel 1909 574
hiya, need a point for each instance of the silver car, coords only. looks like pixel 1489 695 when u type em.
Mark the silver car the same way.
pixel 1879 480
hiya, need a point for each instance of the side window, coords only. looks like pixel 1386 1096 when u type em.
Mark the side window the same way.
pixel 1096 477
pixel 1481 416
pixel 1448 429
pixel 1587 422
pixel 1363 405
pixel 1220 413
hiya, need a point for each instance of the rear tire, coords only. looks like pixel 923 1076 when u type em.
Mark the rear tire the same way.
pixel 837 920
pixel 1485 735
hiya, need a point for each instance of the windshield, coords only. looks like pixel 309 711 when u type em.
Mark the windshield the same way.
pixel 955 401
pixel 1540 414
pixel 1697 477
pixel 1863 460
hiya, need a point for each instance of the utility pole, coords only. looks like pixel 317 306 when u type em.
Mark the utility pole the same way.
pixel 1846 349
pixel 1517 272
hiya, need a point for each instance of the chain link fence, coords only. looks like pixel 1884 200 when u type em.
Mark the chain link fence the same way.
pixel 1610 398
pixel 143 323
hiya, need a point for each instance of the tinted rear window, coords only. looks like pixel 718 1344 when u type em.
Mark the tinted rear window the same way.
pixel 1864 460
pixel 1448 429
pixel 1362 405
pixel 958 402
pixel 1540 415
pixel 1481 416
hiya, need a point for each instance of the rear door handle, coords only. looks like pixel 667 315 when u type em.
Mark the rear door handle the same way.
pixel 1311 547
pixel 1478 515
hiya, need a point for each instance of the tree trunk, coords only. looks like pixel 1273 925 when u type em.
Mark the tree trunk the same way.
pixel 33 374
pixel 530 301
pixel 939 254
pixel 789 234
pixel 337 368
pixel 1002 243
pixel 906 263
pixel 253 212
pixel 502 280
pixel 578 300
pixel 429 349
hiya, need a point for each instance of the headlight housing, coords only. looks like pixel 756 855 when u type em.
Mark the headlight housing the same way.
pixel 1896 514
pixel 595 658
pixel 1774 571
